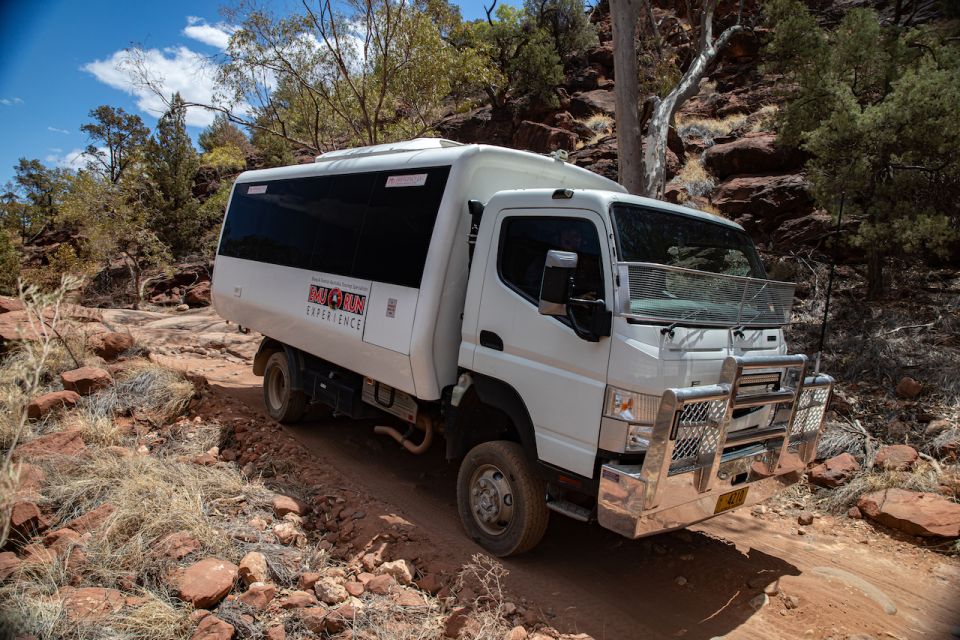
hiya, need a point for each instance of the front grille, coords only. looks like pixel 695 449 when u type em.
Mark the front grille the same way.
pixel 696 434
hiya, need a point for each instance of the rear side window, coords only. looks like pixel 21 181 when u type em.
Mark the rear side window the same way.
pixel 374 225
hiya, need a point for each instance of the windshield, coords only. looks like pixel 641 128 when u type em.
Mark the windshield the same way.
pixel 646 235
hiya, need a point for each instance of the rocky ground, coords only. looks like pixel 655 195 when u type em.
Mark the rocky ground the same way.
pixel 202 518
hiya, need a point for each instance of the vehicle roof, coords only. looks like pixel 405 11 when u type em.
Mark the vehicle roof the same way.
pixel 421 152
pixel 601 200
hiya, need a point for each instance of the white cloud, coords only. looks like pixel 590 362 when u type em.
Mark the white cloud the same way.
pixel 55 150
pixel 10 102
pixel 73 159
pixel 175 69
pixel 215 35
pixel 56 130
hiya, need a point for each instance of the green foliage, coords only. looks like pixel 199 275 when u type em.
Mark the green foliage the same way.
pixel 225 159
pixel 116 139
pixel 9 264
pixel 115 217
pixel 35 201
pixel 567 23
pixel 172 163
pixel 223 133
pixel 351 73
pixel 212 212
pixel 876 107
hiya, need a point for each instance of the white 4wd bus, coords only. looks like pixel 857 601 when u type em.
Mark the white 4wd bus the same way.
pixel 580 350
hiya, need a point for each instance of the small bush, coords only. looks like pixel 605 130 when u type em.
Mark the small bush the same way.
pixel 708 129
pixel 694 179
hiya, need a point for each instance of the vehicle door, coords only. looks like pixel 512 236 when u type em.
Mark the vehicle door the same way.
pixel 560 376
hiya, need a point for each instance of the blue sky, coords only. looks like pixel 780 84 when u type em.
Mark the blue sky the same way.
pixel 58 61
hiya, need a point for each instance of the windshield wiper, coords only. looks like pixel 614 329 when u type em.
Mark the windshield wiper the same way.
pixel 668 330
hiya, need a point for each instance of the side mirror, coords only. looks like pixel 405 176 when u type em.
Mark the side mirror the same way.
pixel 555 285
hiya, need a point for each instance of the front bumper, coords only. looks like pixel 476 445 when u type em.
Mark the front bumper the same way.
pixel 692 460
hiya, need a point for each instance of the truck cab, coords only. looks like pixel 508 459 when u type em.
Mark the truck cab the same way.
pixel 645 345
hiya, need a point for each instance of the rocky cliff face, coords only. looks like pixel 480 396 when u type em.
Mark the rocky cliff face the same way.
pixel 723 155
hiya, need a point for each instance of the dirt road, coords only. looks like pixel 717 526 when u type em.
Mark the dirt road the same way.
pixel 837 579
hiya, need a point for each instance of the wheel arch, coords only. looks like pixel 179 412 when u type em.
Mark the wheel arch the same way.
pixel 269 346
pixel 489 393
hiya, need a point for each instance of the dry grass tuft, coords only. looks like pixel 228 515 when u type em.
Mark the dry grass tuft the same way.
pixel 694 179
pixel 923 477
pixel 96 429
pixel 708 129
pixel 764 119
pixel 158 618
pixel 147 389
pixel 600 124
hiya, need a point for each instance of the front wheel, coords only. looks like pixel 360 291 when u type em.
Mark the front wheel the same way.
pixel 283 403
pixel 501 500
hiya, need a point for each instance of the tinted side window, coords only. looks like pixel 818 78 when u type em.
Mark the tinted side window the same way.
pixel 338 219
pixel 398 226
pixel 524 243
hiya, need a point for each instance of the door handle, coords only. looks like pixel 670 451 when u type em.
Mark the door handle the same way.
pixel 491 340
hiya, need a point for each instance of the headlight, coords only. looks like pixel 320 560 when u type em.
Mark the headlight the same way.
pixel 630 407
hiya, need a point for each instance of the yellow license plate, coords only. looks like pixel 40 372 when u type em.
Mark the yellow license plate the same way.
pixel 731 500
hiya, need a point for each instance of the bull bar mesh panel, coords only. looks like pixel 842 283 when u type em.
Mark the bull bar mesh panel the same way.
pixel 697 433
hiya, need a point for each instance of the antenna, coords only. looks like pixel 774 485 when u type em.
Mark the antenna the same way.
pixel 833 268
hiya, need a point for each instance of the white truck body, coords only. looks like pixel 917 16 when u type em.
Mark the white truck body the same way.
pixel 632 348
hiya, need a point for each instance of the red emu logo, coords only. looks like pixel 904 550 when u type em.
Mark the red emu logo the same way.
pixel 338 299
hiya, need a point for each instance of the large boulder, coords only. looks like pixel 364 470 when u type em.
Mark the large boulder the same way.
pixel 198 295
pixel 483 125
pixel 584 105
pixel 767 198
pixel 540 138
pixel 207 582
pixel 897 457
pixel 919 514
pixel 110 345
pixel 755 153
pixel 42 405
pixel 86 380
pixel 834 472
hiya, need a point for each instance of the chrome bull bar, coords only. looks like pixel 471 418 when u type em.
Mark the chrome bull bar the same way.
pixel 693 459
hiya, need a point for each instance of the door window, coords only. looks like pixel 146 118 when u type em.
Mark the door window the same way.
pixel 524 243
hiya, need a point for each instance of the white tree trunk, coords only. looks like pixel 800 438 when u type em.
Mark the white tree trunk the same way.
pixel 624 15
pixel 655 149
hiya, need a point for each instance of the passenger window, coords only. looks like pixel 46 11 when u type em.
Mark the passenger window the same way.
pixel 524 243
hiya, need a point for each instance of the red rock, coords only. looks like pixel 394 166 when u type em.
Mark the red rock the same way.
pixel 584 105
pixel 298 600
pixel 854 512
pixel 768 197
pixel 90 604
pixel 253 568
pixel 110 345
pixel 355 589
pixel 407 598
pixel 42 405
pixel 26 520
pixel 30 479
pixel 9 563
pixel 275 632
pixel 282 505
pixel 36 553
pixel 896 457
pixel 259 595
pixel 908 388
pixel 834 472
pixel 178 545
pixel 380 585
pixel 754 153
pixel 320 621
pixel 205 583
pixel 402 570
pixel 8 304
pixel 198 295
pixel 307 580
pixel 540 138
pixel 213 628
pixel 918 514
pixel 86 380
pixel 91 520
pixel 455 622
pixel 287 533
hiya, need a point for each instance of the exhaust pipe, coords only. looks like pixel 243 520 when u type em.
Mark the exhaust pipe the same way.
pixel 424 423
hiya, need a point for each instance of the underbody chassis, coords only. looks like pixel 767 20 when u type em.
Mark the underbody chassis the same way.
pixel 695 468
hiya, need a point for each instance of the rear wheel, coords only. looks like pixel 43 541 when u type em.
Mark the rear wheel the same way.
pixel 283 403
pixel 501 500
